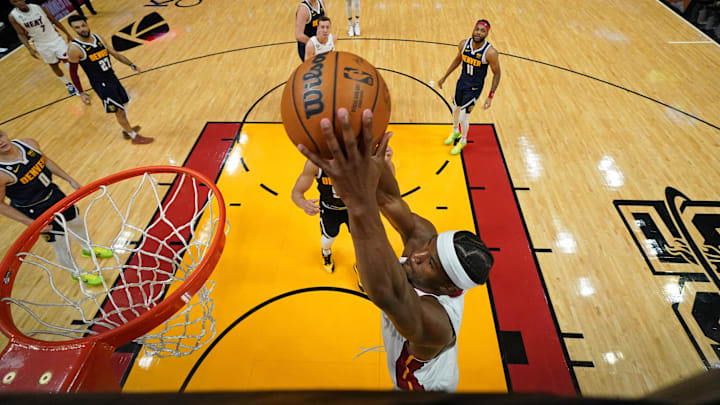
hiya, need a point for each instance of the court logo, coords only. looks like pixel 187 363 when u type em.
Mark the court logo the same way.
pixel 149 28
pixel 681 237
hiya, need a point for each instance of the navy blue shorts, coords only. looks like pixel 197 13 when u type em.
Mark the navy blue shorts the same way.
pixel 466 94
pixel 330 221
pixel 112 94
pixel 301 50
pixel 34 211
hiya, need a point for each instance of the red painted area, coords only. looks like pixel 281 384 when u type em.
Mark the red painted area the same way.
pixel 207 157
pixel 518 294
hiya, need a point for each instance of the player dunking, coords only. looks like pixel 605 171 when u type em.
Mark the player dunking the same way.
pixel 323 42
pixel 91 52
pixel 422 294
pixel 26 179
pixel 35 22
pixel 475 54
pixel 306 22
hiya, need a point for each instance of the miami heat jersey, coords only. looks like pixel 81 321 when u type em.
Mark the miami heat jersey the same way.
pixel 311 26
pixel 438 374
pixel 474 64
pixel 36 23
pixel 96 59
pixel 327 193
pixel 32 180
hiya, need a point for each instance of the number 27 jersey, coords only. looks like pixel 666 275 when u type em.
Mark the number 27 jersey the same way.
pixel 96 60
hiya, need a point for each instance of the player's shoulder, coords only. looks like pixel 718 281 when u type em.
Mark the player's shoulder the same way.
pixel 30 142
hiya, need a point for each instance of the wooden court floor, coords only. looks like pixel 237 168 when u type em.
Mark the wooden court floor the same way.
pixel 593 176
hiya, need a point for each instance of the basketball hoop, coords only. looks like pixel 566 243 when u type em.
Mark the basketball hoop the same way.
pixel 163 250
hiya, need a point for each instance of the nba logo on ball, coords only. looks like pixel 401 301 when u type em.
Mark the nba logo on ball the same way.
pixel 321 85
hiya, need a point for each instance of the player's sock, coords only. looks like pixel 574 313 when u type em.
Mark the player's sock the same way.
pixel 132 134
pixel 64 79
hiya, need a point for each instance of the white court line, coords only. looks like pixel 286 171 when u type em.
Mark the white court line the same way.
pixel 690 42
pixel 663 5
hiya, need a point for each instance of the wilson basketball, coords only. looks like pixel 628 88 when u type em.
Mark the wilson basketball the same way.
pixel 321 85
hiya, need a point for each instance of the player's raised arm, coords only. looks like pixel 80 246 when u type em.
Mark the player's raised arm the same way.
pixel 301 18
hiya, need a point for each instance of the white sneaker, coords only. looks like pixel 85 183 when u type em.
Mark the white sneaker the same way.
pixel 357 29
pixel 350 31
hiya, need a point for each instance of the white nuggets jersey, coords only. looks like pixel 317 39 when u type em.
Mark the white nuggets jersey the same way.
pixel 323 48
pixel 37 24
pixel 438 374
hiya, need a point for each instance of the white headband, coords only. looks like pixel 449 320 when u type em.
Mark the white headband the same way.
pixel 451 263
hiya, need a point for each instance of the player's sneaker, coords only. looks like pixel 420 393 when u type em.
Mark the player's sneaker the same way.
pixel 328 263
pixel 141 140
pixel 457 148
pixel 100 252
pixel 90 279
pixel 71 89
pixel 351 31
pixel 136 128
pixel 357 29
pixel 453 136
pixel 358 277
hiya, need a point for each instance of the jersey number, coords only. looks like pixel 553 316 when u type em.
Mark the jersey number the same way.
pixel 104 64
pixel 43 179
pixel 470 69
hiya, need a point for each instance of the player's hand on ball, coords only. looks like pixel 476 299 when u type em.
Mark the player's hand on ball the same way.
pixel 85 98
pixel 311 207
pixel 355 172
pixel 487 104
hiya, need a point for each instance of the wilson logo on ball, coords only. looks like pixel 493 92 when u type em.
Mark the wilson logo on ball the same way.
pixel 358 76
pixel 312 96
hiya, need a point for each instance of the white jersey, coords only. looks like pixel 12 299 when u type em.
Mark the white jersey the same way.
pixel 438 374
pixel 323 48
pixel 37 24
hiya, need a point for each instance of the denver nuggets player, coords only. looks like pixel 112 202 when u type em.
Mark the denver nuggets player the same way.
pixel 92 53
pixel 33 21
pixel 26 179
pixel 306 22
pixel 475 54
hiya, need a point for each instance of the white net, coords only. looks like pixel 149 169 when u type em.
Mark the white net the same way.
pixel 131 245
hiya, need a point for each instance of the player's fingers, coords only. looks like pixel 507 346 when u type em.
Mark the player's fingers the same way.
pixel 383 145
pixel 331 139
pixel 349 138
pixel 367 131
pixel 313 157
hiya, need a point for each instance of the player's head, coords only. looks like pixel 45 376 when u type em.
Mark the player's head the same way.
pixel 481 30
pixel 323 27
pixel 450 262
pixel 80 25
pixel 4 141
pixel 20 4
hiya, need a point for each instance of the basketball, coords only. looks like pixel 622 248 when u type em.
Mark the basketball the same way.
pixel 321 85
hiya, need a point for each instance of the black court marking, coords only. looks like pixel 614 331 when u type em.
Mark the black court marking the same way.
pixel 242 123
pixel 131 347
pixel 512 347
pixel 442 167
pixel 573 336
pixel 176 243
pixel 165 184
pixel 235 204
pixel 227 330
pixel 579 363
pixel 268 189
pixel 77 322
pixel 242 162
pixel 542 250
pixel 441 208
pixel 385 39
pixel 470 141
pixel 477 188
pixel 522 188
pixel 227 139
pixel 421 82
pixel 411 191
pixel 494 249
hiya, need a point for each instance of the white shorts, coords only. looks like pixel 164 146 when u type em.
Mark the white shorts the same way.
pixel 52 52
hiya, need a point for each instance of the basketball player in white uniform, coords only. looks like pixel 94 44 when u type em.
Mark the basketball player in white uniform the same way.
pixel 35 22
pixel 421 295
pixel 321 43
